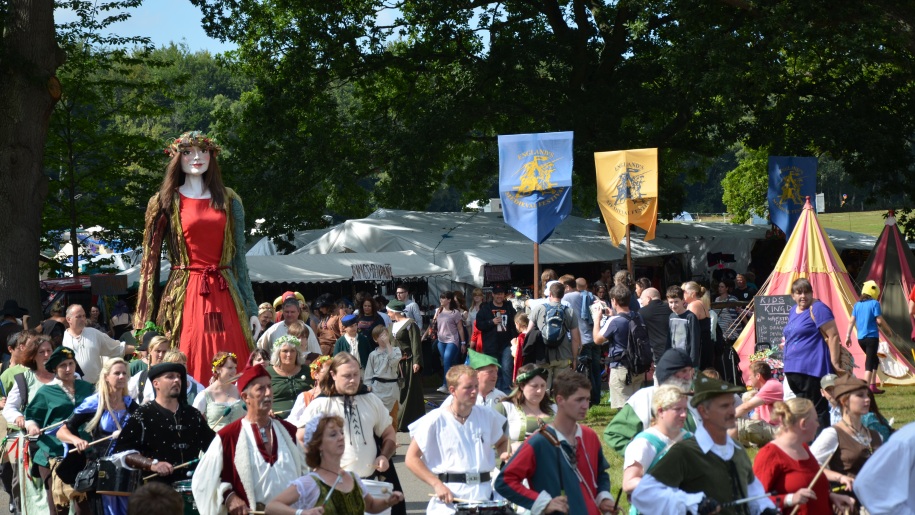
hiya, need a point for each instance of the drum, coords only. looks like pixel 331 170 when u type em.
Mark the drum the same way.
pixel 484 507
pixel 184 488
pixel 116 480
pixel 379 490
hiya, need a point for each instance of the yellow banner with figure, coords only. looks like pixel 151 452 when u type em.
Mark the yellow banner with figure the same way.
pixel 627 190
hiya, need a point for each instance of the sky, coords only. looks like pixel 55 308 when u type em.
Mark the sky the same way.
pixel 164 21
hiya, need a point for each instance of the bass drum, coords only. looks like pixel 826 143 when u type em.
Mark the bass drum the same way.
pixel 484 507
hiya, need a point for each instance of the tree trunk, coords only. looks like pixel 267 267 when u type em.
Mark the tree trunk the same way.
pixel 29 58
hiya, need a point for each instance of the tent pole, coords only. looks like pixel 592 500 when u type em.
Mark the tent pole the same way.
pixel 536 270
pixel 629 249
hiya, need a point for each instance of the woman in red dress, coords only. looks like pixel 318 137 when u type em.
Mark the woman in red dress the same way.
pixel 786 466
pixel 207 305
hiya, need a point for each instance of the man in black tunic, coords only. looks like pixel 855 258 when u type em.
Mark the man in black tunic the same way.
pixel 165 432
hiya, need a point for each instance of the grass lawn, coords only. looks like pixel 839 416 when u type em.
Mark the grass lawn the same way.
pixel 895 403
pixel 867 222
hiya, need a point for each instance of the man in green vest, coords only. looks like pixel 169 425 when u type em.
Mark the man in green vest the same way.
pixel 702 474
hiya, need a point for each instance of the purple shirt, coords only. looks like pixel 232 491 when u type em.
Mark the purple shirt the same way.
pixel 806 351
pixel 449 323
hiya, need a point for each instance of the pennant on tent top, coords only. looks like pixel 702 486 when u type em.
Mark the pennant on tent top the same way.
pixel 535 182
pixel 791 180
pixel 627 190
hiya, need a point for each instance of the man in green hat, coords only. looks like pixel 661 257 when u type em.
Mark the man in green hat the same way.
pixel 487 368
pixel 702 473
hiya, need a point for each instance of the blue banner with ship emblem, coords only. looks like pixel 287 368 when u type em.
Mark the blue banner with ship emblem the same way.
pixel 535 182
pixel 791 181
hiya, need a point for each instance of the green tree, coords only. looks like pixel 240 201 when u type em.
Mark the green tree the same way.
pixel 746 186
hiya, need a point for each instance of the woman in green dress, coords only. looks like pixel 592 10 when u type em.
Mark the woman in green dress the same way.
pixel 308 495
pixel 54 404
pixel 407 336
pixel 288 374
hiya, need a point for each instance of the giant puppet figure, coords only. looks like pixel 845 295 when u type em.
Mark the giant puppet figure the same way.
pixel 207 303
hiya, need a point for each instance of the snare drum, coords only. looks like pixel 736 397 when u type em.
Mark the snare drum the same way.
pixel 484 507
pixel 116 480
pixel 184 488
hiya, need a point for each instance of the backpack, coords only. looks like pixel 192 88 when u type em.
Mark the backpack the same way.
pixel 638 356
pixel 554 327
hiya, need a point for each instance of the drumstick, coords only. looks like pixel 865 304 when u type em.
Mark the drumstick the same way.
pixel 225 413
pixel 52 426
pixel 822 468
pixel 176 467
pixel 100 440
pixel 458 499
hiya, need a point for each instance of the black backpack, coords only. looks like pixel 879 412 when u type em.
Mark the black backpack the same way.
pixel 554 328
pixel 638 356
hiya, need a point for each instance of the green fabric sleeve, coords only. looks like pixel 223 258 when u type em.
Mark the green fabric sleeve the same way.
pixel 622 429
pixel 240 261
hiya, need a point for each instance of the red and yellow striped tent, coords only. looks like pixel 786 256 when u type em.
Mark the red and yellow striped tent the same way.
pixel 810 254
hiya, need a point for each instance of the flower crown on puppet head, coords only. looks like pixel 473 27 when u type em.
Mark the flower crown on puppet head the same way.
pixel 221 360
pixel 312 425
pixel 286 340
pixel 192 139
pixel 316 365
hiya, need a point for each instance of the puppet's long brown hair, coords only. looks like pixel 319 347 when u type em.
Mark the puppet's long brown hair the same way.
pixel 174 177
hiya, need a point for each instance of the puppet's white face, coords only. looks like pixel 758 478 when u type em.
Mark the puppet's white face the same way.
pixel 195 161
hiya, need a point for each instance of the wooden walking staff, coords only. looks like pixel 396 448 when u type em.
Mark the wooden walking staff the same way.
pixel 536 271
pixel 628 251
pixel 822 468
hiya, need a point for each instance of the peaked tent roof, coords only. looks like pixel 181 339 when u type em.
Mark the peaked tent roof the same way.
pixel 891 266
pixel 809 253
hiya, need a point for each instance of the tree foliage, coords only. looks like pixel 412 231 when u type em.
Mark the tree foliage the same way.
pixel 745 186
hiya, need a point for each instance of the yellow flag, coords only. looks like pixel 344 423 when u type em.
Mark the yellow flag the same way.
pixel 627 190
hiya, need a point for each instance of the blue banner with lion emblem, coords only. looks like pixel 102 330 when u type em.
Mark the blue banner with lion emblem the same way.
pixel 535 182
pixel 791 180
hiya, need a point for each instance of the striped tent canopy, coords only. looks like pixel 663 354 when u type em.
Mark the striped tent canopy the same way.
pixel 809 253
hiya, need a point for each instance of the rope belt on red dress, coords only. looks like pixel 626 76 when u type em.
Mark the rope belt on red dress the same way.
pixel 206 271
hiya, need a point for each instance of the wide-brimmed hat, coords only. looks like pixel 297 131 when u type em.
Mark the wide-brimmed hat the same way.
pixel 846 385
pixel 706 388
pixel 12 308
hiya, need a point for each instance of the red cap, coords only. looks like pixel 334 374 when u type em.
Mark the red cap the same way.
pixel 289 295
pixel 251 373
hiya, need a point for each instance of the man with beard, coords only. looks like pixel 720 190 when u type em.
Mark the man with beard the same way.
pixel 674 367
pixel 454 447
pixel 167 431
pixel 699 474
pixel 252 459
pixel 368 430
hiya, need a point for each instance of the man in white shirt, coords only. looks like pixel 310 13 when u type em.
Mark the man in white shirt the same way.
pixel 291 313
pixel 91 346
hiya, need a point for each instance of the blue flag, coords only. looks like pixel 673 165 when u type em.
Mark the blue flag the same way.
pixel 535 182
pixel 791 181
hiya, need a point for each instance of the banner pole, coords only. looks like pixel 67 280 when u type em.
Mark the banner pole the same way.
pixel 629 249
pixel 536 270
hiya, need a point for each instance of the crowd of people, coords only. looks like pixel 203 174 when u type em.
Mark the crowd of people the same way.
pixel 305 422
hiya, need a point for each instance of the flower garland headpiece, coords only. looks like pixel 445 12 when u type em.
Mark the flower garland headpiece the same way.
pixel 192 139
pixel 530 374
pixel 316 365
pixel 286 340
pixel 221 360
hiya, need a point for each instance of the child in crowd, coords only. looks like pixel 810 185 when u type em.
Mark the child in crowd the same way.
pixel 381 370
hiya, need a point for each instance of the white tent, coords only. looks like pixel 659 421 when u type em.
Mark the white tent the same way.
pixel 267 246
pixel 697 239
pixel 305 268
pixel 465 242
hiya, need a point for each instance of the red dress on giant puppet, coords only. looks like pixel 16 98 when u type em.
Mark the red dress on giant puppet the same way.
pixel 206 304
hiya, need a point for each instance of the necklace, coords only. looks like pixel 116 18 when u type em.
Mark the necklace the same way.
pixel 459 417
pixel 862 436
pixel 337 473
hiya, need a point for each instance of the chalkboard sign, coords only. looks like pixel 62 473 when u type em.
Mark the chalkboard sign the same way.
pixel 771 312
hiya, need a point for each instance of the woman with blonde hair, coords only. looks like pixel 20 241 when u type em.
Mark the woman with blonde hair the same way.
pixel 139 386
pixel 668 416
pixel 342 492
pixel 476 302
pixel 220 402
pixel 101 415
pixel 698 302
pixel 194 386
pixel 787 465
pixel 319 368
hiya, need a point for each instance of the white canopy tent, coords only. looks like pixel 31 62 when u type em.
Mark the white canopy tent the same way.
pixel 267 246
pixel 465 242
